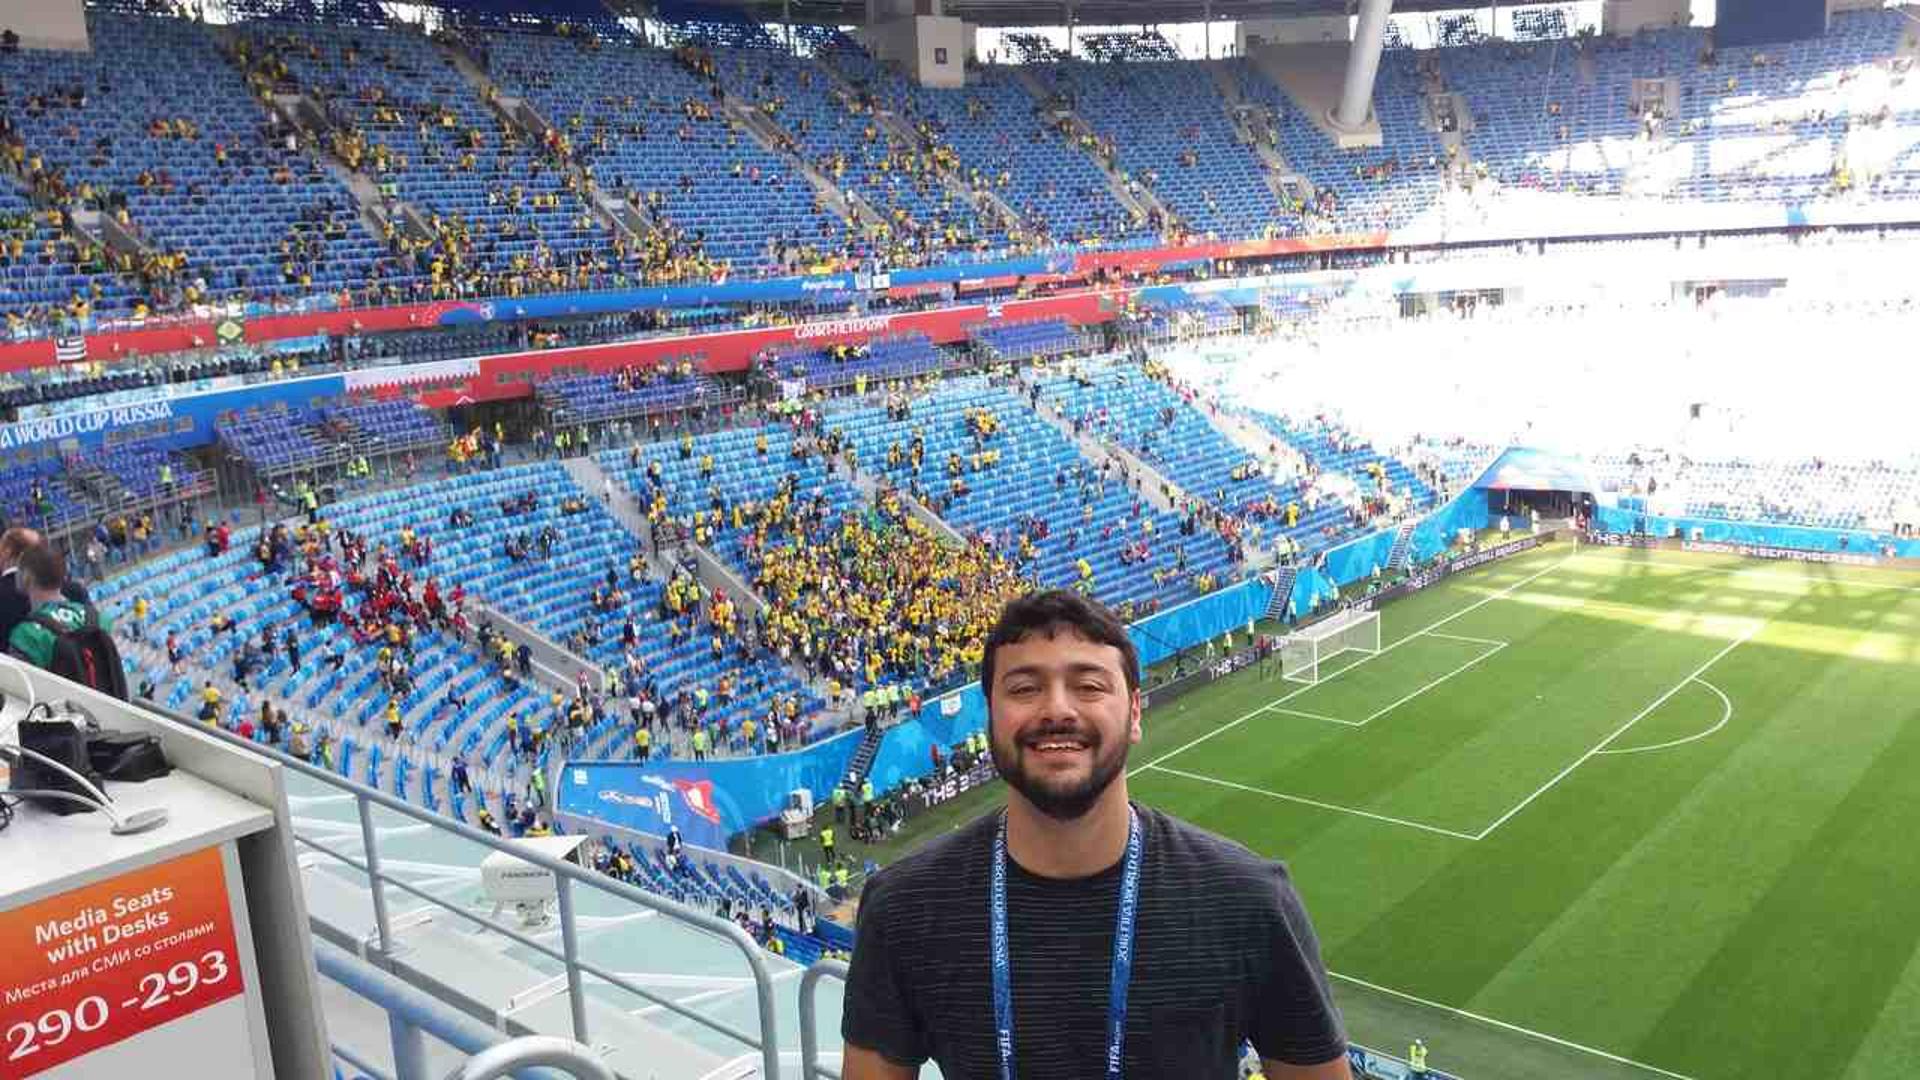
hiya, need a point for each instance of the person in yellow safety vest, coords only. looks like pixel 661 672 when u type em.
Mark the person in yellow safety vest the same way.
pixel 839 802
pixel 866 794
pixel 700 744
pixel 1417 1057
pixel 840 877
pixel 826 845
pixel 643 744
pixel 824 877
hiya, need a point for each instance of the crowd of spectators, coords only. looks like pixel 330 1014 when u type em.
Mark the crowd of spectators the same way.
pixel 875 600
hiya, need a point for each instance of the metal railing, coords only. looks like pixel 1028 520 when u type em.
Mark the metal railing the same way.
pixel 810 1066
pixel 413 1015
pixel 566 877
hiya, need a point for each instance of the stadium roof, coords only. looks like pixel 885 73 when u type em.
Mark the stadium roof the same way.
pixel 1086 12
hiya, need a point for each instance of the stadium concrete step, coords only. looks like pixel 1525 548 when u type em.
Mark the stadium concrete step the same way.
pixel 777 140
pixel 595 483
pixel 306 114
pixel 862 759
pixel 868 481
pixel 1254 125
pixel 900 130
pixel 523 115
pixel 1402 546
pixel 1159 491
pixel 1280 457
pixel 1137 200
pixel 1283 580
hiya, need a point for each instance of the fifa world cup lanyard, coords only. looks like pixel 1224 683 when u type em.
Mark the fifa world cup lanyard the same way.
pixel 1122 950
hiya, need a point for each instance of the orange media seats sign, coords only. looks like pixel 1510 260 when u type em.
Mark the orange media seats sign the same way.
pixel 108 961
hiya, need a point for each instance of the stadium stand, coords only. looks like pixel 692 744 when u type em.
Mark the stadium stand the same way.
pixel 157 125
pixel 500 210
pixel 1816 493
pixel 801 548
pixel 1383 187
pixel 46 268
pixel 979 450
pixel 646 123
pixel 1004 144
pixel 387 426
pixel 922 219
pixel 592 398
pixel 1189 155
pixel 1666 114
pixel 729 490
pixel 1026 340
pixel 880 360
pixel 1145 46
pixel 206 194
pixel 277 442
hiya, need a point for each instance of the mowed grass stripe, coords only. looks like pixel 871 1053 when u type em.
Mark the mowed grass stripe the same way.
pixel 1892 1045
pixel 1478 908
pixel 1613 911
pixel 1602 977
pixel 1472 747
pixel 1798 983
pixel 1718 820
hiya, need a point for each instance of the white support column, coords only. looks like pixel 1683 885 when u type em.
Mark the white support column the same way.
pixel 1363 63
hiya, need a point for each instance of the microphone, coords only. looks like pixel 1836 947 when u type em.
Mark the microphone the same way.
pixel 137 822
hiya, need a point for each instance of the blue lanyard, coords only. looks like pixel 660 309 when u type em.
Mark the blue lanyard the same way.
pixel 1122 950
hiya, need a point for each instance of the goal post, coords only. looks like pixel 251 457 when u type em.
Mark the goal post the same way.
pixel 1303 651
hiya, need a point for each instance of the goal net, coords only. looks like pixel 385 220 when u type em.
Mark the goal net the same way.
pixel 1352 630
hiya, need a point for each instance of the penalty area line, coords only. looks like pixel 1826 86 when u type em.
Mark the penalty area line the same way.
pixel 1284 698
pixel 1622 729
pixel 1304 801
pixel 1505 1026
pixel 1315 716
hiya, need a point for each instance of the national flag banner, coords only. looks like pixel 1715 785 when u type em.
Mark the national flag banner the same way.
pixel 70 350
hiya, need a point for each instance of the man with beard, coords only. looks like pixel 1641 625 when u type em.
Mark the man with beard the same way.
pixel 1077 934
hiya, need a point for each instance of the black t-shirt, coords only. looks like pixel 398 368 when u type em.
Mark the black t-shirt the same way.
pixel 1223 951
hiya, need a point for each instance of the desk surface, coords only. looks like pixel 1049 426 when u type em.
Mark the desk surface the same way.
pixel 46 854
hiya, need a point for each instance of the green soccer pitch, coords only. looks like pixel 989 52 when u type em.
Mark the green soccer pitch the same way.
pixel 1591 813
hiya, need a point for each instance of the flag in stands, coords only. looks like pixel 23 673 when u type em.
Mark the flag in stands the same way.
pixel 70 350
pixel 698 795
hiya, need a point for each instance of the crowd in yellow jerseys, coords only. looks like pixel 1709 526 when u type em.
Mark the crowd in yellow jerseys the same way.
pixel 883 592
